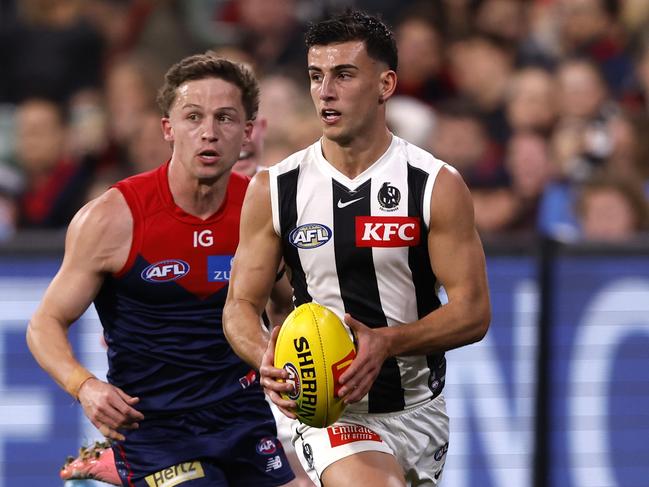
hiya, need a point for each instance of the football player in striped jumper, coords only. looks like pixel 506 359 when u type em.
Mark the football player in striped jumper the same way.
pixel 154 255
pixel 371 227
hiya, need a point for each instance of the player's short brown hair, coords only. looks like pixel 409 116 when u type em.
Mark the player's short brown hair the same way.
pixel 208 65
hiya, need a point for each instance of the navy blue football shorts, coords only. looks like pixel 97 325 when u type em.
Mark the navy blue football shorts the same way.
pixel 228 445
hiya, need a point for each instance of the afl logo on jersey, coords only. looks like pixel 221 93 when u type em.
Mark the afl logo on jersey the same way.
pixel 310 236
pixel 389 197
pixel 165 270
pixel 266 446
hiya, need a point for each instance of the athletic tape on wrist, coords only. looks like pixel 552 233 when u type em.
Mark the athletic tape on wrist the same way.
pixel 76 379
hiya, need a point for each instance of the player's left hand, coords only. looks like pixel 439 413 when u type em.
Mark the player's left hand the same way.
pixel 372 350
pixel 273 380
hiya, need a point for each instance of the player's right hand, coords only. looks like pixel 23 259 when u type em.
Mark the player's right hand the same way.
pixel 273 380
pixel 109 408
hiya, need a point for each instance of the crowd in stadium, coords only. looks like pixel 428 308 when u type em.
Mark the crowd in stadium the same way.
pixel 542 105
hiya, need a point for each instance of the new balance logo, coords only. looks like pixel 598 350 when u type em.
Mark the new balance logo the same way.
pixel 342 204
pixel 386 231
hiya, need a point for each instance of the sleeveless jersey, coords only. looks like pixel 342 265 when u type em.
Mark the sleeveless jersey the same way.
pixel 162 312
pixel 359 246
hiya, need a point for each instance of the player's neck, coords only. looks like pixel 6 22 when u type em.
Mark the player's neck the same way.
pixel 354 158
pixel 200 198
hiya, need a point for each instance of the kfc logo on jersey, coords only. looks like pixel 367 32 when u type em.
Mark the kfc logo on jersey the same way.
pixel 387 231
pixel 165 270
pixel 310 236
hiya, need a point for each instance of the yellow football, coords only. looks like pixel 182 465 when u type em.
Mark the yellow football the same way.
pixel 315 348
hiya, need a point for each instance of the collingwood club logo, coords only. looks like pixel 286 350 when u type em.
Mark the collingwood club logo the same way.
pixel 389 197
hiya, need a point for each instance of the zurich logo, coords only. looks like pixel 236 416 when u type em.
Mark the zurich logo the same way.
pixel 266 446
pixel 165 270
pixel 310 236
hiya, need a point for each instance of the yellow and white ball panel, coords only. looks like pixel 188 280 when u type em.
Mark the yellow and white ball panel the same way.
pixel 315 348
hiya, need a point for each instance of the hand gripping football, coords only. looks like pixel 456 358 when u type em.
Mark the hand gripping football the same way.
pixel 315 348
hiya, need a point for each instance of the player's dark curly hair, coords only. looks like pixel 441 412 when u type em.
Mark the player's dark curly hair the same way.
pixel 354 25
pixel 208 65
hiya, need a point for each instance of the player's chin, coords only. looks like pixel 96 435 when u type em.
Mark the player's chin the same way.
pixel 339 134
pixel 211 172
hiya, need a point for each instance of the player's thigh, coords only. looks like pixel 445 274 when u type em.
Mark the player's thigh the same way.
pixel 374 468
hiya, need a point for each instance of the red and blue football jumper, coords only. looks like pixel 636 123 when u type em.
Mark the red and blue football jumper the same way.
pixel 161 316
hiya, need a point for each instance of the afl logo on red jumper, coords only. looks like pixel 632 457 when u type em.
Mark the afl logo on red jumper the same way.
pixel 165 270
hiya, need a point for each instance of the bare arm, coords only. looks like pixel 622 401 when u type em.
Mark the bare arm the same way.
pixel 253 274
pixel 97 242
pixel 458 261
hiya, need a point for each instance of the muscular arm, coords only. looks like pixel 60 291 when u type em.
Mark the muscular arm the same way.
pixel 458 261
pixel 253 274
pixel 97 242
pixel 457 258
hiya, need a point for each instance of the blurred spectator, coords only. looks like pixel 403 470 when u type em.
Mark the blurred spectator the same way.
pixel 637 99
pixel 532 100
pixel 457 17
pixel 530 169
pixel 582 91
pixel 421 65
pixel 147 148
pixel 10 187
pixel 49 51
pixel 460 138
pixel 55 184
pixel 630 146
pixel 635 15
pixel 291 120
pixel 515 208
pixel 251 157
pixel 148 28
pixel 270 32
pixel 130 93
pixel 612 209
pixel 590 28
pixel 481 68
pixel 581 140
pixel 482 82
pixel 504 19
pixel 88 127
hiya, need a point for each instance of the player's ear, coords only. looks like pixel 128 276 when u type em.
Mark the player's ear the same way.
pixel 167 130
pixel 387 85
pixel 247 131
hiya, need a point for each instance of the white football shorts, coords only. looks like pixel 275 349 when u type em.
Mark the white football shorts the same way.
pixel 417 437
